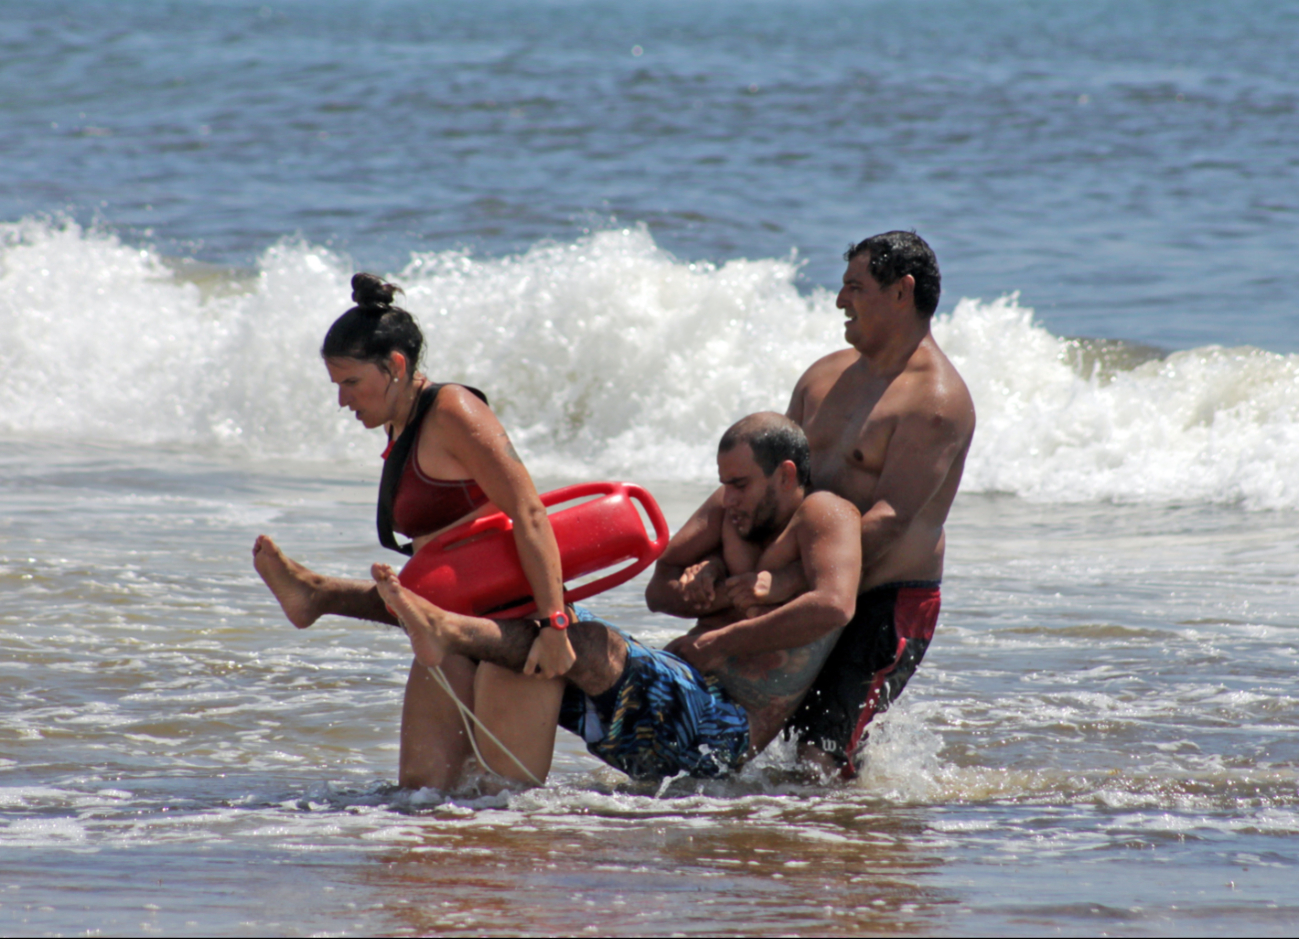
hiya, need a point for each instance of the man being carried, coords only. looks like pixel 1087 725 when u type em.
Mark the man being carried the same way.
pixel 736 678
pixel 889 422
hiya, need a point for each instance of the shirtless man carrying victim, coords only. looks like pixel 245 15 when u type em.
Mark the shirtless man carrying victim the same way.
pixel 735 679
pixel 889 421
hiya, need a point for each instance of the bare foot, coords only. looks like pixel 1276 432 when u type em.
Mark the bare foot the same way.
pixel 422 620
pixel 293 585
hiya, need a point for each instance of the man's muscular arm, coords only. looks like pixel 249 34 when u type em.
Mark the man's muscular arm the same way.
pixel 830 549
pixel 681 582
pixel 765 588
pixel 924 446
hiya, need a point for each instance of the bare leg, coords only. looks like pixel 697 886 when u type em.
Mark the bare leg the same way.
pixel 523 712
pixel 434 745
pixel 435 633
pixel 306 596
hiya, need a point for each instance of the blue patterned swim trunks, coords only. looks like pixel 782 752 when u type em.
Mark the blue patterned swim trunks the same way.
pixel 661 718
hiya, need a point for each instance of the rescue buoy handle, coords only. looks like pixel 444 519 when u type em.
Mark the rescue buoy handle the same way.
pixel 661 533
pixel 647 557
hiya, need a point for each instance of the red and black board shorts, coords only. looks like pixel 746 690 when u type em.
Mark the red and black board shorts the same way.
pixel 876 655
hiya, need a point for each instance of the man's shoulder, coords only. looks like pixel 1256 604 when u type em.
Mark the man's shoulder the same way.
pixel 830 365
pixel 931 382
pixel 824 506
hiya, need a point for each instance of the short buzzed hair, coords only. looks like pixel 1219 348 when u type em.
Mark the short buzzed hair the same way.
pixel 773 438
pixel 894 255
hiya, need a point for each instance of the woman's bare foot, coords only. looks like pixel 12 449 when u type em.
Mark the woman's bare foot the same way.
pixel 422 620
pixel 293 585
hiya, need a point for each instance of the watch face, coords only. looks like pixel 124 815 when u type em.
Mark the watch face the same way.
pixel 559 620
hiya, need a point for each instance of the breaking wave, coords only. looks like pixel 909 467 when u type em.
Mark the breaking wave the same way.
pixel 605 356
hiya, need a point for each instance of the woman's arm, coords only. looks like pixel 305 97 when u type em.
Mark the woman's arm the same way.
pixel 474 438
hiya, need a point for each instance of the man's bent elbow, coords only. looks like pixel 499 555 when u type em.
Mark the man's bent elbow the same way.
pixel 656 591
pixel 834 612
pixel 842 611
pixel 882 525
pixel 654 600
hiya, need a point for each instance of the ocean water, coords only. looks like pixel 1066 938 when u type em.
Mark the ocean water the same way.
pixel 624 223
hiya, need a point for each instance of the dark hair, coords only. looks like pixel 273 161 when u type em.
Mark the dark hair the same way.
pixel 896 254
pixel 773 438
pixel 374 329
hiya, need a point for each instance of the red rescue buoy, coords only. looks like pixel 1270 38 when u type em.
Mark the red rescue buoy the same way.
pixel 474 568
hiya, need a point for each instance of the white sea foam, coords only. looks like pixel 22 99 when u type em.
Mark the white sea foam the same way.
pixel 1209 424
pixel 605 357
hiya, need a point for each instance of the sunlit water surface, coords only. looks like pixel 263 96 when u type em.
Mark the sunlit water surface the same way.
pixel 1103 737
pixel 624 222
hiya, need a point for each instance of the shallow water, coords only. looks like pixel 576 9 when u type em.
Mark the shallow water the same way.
pixel 1102 737
pixel 624 222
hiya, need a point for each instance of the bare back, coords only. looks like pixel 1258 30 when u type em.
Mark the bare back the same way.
pixel 894 445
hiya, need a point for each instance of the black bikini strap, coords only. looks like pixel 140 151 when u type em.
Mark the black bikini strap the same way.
pixel 395 463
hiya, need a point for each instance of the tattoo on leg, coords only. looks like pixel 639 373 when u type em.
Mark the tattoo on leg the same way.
pixel 775 679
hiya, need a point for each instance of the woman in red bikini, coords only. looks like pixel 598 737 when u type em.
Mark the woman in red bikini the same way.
pixel 448 460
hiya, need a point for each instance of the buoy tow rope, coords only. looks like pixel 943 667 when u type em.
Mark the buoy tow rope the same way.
pixel 467 715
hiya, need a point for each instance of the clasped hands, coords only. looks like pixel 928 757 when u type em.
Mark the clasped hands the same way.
pixel 747 593
pixel 702 586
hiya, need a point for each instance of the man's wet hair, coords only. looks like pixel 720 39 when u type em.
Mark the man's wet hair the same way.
pixel 773 438
pixel 374 329
pixel 896 254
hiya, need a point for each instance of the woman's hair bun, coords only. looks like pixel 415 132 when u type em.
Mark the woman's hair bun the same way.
pixel 371 291
pixel 374 329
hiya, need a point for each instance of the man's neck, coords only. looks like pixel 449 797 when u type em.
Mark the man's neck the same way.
pixel 786 515
pixel 890 359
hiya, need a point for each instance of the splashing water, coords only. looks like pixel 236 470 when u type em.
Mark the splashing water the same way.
pixel 606 357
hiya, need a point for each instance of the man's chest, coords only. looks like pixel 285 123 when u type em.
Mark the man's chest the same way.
pixel 848 429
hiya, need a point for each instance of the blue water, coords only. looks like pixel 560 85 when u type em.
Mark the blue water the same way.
pixel 1102 737
pixel 1129 167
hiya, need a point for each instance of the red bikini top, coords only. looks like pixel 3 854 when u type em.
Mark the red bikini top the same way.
pixel 424 505
pixel 411 502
